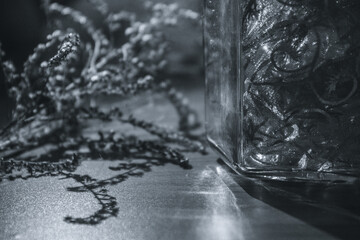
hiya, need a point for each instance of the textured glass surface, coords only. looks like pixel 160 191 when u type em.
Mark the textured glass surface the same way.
pixel 282 84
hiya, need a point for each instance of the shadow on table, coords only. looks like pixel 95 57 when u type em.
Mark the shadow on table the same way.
pixel 57 156
pixel 108 203
pixel 333 208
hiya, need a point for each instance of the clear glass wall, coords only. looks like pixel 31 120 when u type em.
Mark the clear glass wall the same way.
pixel 282 80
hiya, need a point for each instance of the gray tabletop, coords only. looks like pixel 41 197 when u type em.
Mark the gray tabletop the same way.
pixel 207 201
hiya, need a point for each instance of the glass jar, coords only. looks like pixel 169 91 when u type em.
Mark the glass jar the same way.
pixel 282 86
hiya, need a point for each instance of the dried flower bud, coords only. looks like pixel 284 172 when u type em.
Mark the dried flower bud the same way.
pixel 68 46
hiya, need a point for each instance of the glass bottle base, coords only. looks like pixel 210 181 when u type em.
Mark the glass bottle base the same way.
pixel 333 176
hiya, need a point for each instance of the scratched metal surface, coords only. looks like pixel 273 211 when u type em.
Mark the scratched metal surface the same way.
pixel 205 202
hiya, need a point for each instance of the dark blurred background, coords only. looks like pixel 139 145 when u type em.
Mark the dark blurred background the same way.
pixel 23 26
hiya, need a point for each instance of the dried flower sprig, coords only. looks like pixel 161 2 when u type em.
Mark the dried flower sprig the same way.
pixel 79 62
pixel 70 44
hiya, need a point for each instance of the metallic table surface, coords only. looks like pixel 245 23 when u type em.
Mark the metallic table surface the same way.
pixel 205 202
